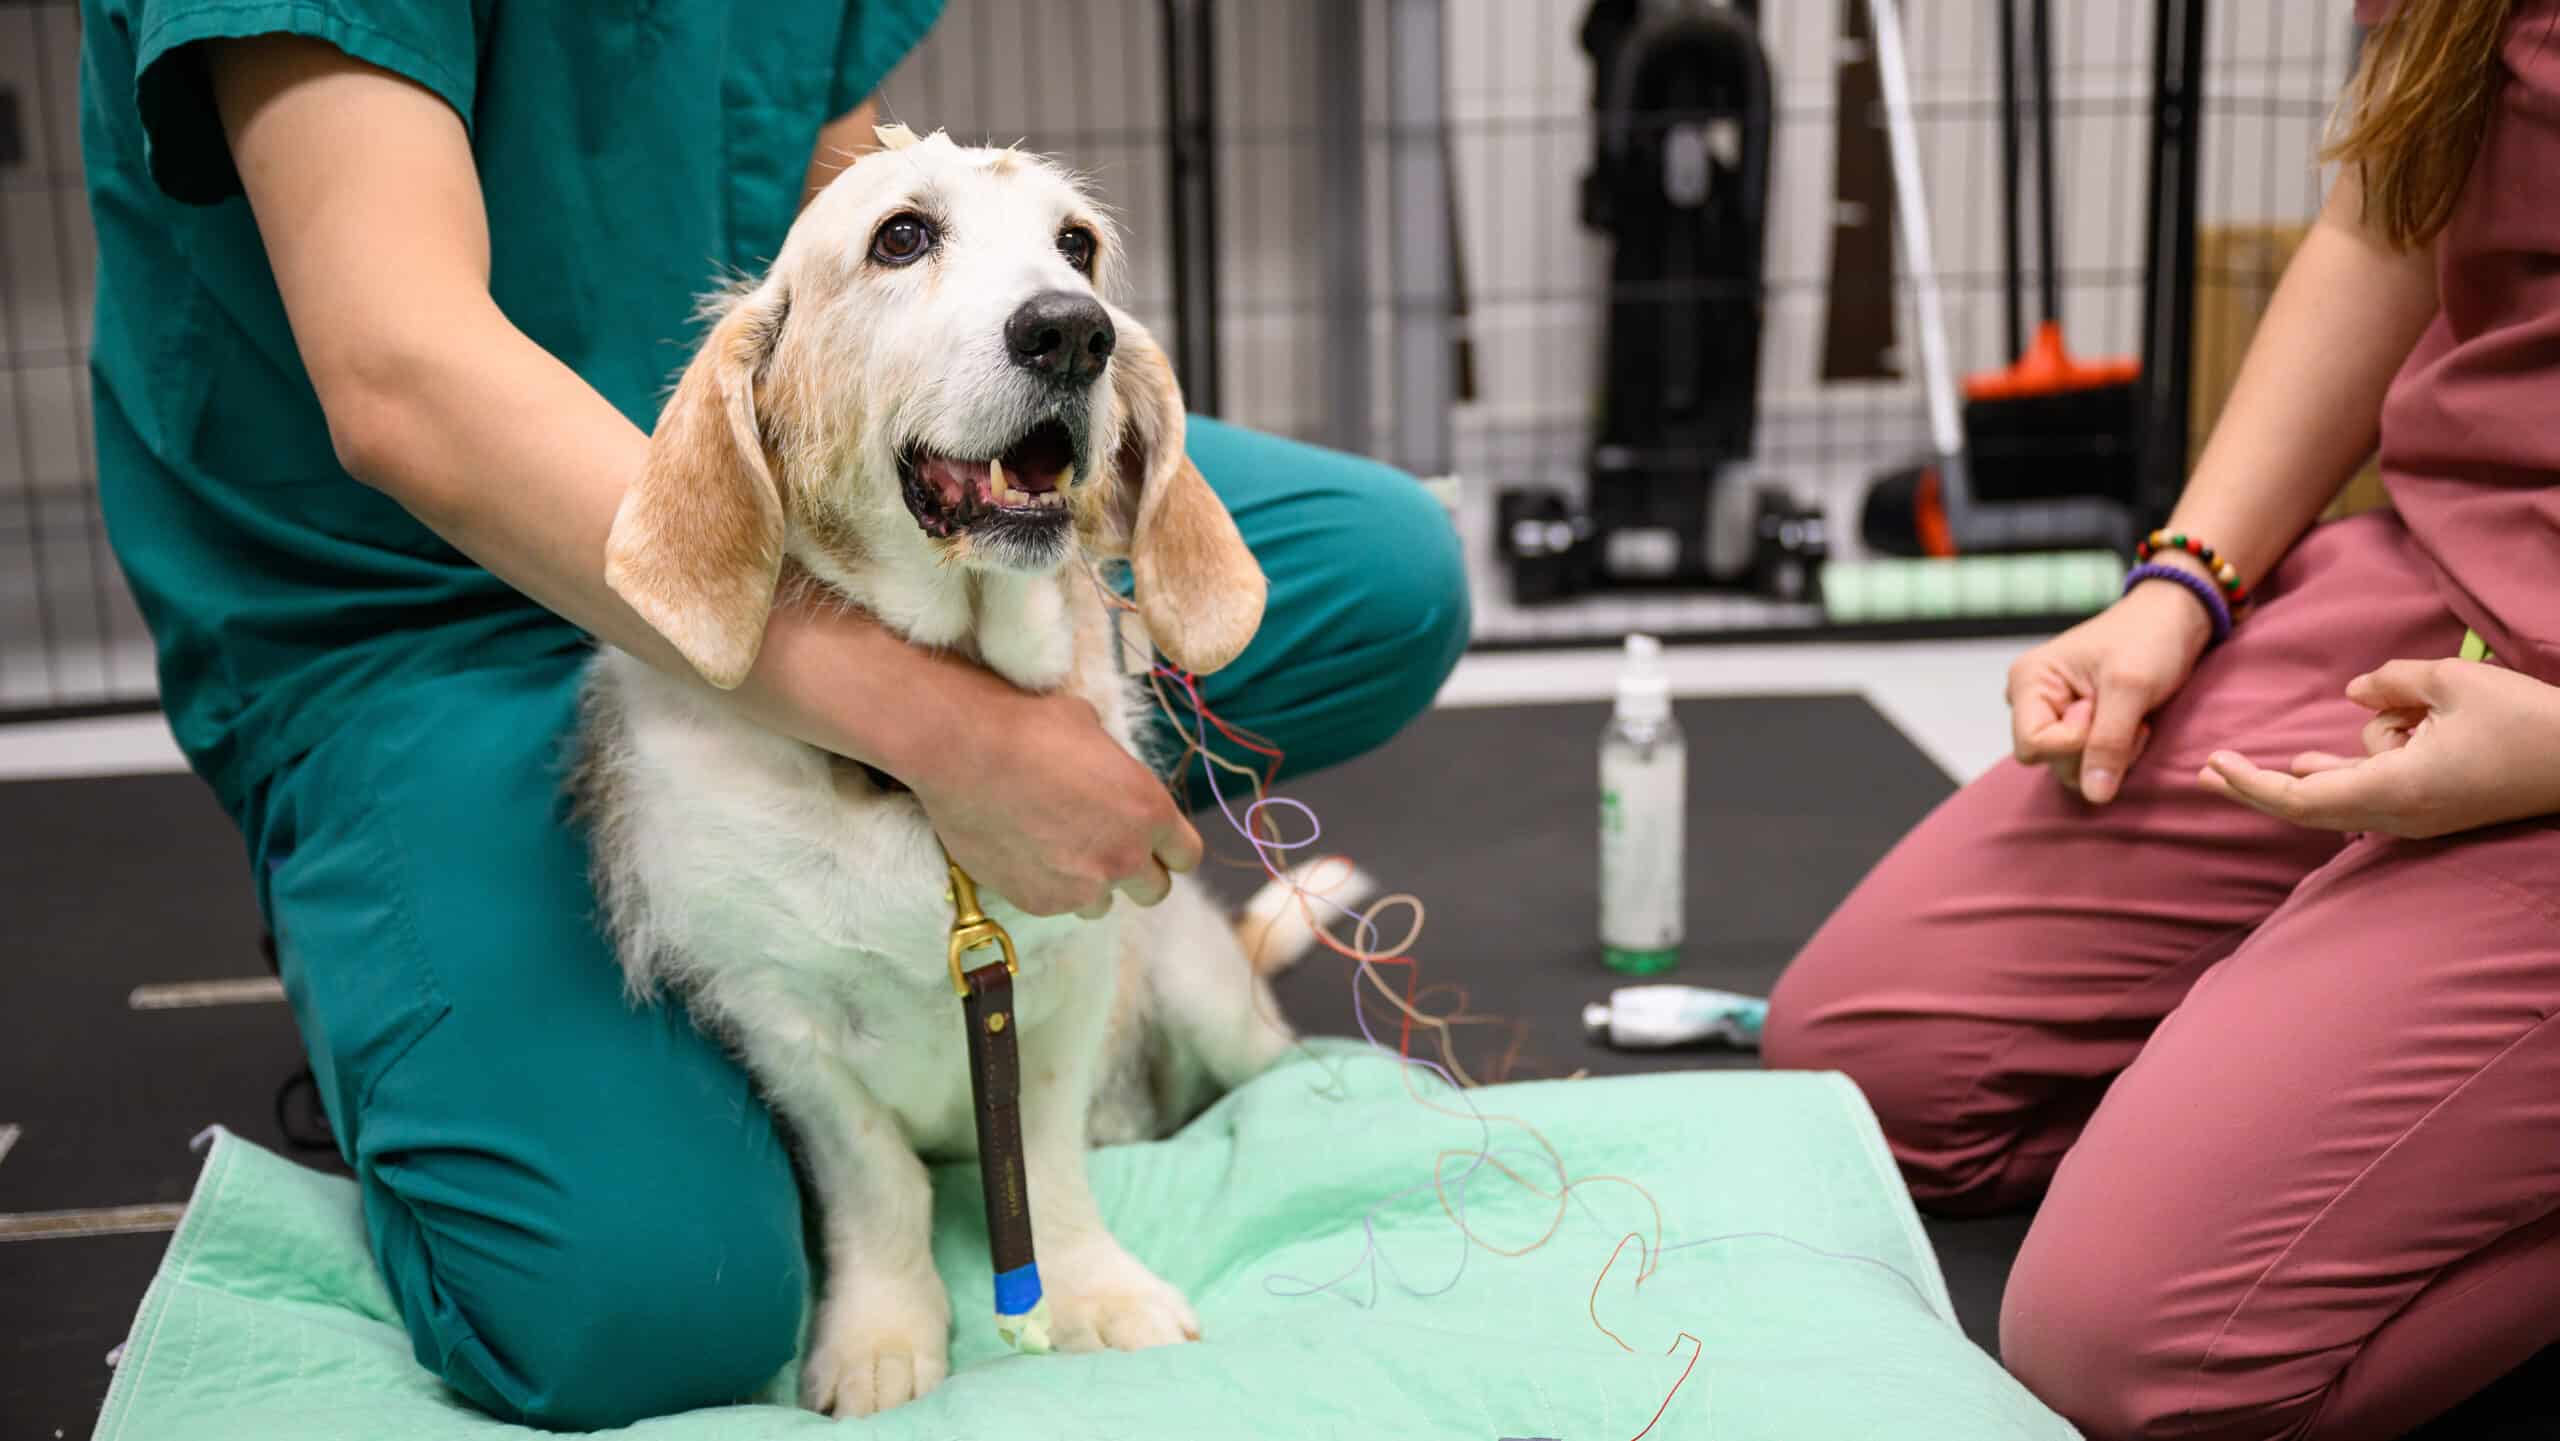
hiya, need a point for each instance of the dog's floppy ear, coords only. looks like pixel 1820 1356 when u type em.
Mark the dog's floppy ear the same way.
pixel 1199 590
pixel 696 547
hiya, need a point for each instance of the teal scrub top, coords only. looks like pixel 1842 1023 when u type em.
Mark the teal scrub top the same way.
pixel 630 153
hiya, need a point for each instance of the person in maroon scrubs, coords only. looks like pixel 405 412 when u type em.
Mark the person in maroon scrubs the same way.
pixel 2259 1000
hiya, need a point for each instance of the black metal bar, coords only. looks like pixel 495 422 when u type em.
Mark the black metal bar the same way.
pixel 75 711
pixel 2048 247
pixel 1345 376
pixel 2169 269
pixel 13 135
pixel 1190 59
pixel 2012 238
pixel 1425 373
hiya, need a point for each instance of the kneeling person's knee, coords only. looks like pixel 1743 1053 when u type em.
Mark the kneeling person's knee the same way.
pixel 619 1312
pixel 1399 616
pixel 1830 1012
pixel 2072 1333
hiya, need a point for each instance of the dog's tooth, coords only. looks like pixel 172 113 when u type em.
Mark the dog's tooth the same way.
pixel 996 485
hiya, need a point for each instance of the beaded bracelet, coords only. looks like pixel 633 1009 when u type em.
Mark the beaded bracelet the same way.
pixel 2225 574
pixel 2195 585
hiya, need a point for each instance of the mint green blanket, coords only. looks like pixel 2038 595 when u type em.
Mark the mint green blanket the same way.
pixel 1816 1306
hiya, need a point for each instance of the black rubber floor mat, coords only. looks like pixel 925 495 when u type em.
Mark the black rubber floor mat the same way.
pixel 1490 816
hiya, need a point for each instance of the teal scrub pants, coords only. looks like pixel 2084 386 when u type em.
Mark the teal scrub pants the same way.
pixel 581 1207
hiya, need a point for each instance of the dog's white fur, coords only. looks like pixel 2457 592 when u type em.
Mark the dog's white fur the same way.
pixel 800 909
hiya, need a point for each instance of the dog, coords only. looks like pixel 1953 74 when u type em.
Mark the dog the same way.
pixel 925 408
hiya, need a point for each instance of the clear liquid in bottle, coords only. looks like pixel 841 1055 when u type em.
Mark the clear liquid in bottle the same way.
pixel 1644 794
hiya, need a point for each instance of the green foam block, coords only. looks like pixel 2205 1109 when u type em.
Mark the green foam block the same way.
pixel 1971 587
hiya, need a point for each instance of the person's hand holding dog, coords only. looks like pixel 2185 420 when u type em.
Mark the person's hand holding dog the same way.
pixel 2453 745
pixel 1042 807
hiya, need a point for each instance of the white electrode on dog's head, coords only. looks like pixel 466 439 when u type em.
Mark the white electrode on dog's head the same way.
pixel 894 136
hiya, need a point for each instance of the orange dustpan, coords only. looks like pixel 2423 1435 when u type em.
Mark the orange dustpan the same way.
pixel 2049 369
pixel 2051 425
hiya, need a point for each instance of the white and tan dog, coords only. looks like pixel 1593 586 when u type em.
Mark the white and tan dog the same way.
pixel 926 409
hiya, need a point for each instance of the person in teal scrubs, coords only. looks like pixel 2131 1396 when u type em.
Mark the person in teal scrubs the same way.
pixel 389 291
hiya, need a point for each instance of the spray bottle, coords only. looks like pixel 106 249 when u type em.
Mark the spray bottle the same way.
pixel 1644 801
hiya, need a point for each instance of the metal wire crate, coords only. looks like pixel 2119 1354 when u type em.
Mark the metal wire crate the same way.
pixel 1329 277
pixel 70 639
pixel 1357 222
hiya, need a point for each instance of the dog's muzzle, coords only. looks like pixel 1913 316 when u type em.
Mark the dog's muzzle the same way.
pixel 1022 490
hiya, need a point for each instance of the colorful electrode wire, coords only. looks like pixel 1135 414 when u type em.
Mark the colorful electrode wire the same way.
pixel 1272 851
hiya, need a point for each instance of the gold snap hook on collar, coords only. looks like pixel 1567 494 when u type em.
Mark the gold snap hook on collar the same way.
pixel 972 929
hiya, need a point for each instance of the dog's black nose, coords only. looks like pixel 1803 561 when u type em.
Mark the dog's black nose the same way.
pixel 1061 336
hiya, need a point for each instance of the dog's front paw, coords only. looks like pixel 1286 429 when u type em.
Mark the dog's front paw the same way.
pixel 1104 1298
pixel 877 1348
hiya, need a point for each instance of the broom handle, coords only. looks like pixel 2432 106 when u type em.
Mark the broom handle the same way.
pixel 1937 379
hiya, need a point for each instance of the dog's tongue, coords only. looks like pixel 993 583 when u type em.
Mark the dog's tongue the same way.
pixel 956 481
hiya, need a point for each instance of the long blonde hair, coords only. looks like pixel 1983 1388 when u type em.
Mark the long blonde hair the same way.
pixel 2417 110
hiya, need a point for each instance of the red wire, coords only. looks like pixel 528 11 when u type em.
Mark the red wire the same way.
pixel 1261 745
pixel 1258 744
pixel 1697 1348
pixel 1404 1025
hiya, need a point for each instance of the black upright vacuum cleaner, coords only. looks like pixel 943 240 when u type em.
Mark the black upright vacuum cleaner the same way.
pixel 1680 185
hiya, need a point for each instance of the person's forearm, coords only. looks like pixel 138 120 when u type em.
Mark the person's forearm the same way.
pixel 841 141
pixel 435 398
pixel 511 457
pixel 2304 412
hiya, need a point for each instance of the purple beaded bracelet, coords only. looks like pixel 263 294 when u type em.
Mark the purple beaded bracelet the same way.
pixel 2206 593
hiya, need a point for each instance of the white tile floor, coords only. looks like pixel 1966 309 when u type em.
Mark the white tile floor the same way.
pixel 1945 695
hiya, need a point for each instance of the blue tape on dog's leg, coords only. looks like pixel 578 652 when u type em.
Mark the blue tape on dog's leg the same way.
pixel 1018 1290
pixel 1022 1314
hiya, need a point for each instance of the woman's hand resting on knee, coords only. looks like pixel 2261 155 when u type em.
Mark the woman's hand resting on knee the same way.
pixel 2453 745
pixel 2300 419
pixel 2078 703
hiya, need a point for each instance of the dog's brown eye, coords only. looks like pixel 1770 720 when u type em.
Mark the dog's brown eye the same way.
pixel 901 239
pixel 1077 244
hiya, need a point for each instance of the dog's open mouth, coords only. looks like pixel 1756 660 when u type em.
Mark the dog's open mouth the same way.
pixel 1026 486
